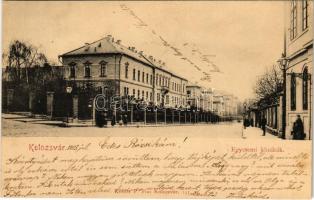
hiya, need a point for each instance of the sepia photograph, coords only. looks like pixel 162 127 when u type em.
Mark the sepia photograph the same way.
pixel 157 99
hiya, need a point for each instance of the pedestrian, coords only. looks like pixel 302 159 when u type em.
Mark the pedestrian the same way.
pixel 298 129
pixel 125 119
pixel 113 120
pixel 121 120
pixel 252 122
pixel 263 125
pixel 246 122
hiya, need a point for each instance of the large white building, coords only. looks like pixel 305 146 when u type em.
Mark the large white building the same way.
pixel 299 54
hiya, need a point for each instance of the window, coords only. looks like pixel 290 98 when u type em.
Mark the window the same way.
pixel 156 79
pixel 293 92
pixel 305 89
pixel 124 91
pixel 143 77
pixel 103 68
pixel 167 99
pixel 143 94
pixel 138 93
pixel 151 96
pixel 126 70
pixel 134 74
pixel 146 95
pixel 147 78
pixel 188 93
pixel 159 80
pixel 293 19
pixel 305 14
pixel 158 97
pixel 151 79
pixel 138 75
pixel 163 81
pixel 134 92
pixel 72 70
pixel 87 69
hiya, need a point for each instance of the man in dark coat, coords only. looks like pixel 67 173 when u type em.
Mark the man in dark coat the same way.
pixel 298 129
pixel 263 125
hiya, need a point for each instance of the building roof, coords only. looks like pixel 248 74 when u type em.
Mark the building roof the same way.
pixel 193 85
pixel 107 45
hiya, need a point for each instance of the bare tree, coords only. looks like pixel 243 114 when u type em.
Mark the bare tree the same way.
pixel 269 83
pixel 22 55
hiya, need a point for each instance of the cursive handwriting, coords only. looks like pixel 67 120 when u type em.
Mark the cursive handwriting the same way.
pixel 164 167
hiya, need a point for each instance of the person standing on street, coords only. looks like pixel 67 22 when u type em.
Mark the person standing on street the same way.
pixel 263 125
pixel 298 129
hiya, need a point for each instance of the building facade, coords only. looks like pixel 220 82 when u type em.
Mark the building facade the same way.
pixel 194 94
pixel 299 54
pixel 117 70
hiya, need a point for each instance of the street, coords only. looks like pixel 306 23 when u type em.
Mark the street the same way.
pixel 12 127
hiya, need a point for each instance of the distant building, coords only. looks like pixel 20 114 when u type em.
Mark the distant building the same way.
pixel 199 97
pixel 207 99
pixel 194 93
pixel 299 52
pixel 218 104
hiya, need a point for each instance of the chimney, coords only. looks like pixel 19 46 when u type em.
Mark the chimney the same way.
pixel 118 41
pixel 140 52
pixel 132 48
pixel 159 61
pixel 109 37
pixel 151 57
pixel 86 46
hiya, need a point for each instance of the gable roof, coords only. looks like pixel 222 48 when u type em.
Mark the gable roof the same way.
pixel 102 46
pixel 107 45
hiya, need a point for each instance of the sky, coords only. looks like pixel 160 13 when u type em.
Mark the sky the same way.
pixel 224 45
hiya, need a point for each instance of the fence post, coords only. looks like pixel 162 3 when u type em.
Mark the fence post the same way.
pixel 179 117
pixel 50 104
pixel 131 114
pixel 165 116
pixel 10 97
pixel 75 108
pixel 30 102
pixel 145 116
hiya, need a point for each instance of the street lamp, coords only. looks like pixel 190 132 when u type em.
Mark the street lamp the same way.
pixel 283 61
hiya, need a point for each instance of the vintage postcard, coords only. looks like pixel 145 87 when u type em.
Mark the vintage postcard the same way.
pixel 157 99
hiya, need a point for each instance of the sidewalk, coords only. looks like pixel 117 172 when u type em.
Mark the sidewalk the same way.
pixel 257 133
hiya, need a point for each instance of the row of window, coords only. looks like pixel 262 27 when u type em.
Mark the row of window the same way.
pixel 141 76
pixel 138 94
pixel 88 69
pixel 293 17
pixel 160 80
pixel 293 90
pixel 149 96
